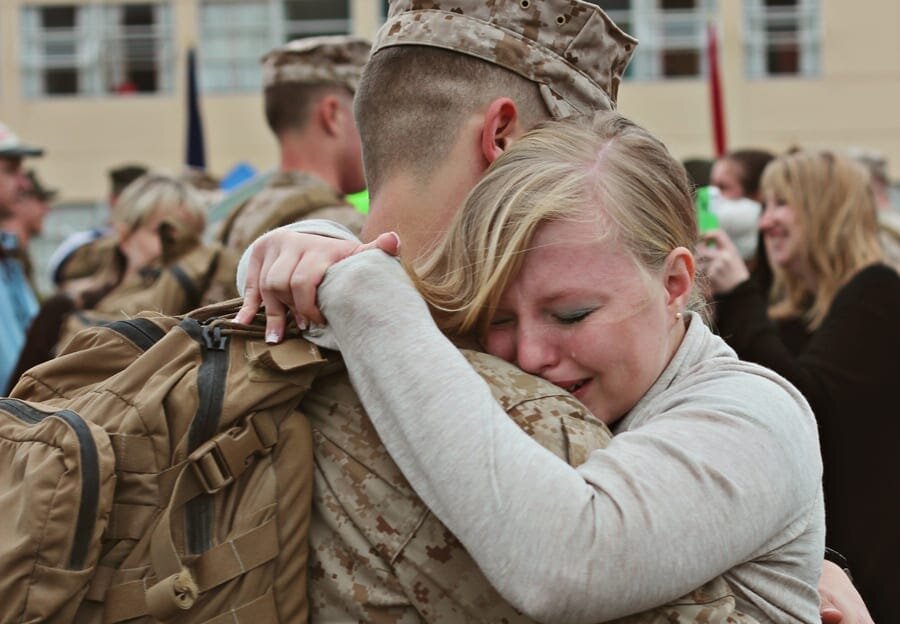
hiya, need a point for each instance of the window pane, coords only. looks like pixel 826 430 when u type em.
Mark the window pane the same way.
pixel 613 5
pixel 784 59
pixel 137 53
pixel 669 5
pixel 58 17
pixel 63 81
pixel 681 63
pixel 305 18
pixel 137 33
pixel 54 51
pixel 234 36
pixel 783 37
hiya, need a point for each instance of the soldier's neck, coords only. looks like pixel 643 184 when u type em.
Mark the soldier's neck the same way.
pixel 310 159
pixel 418 211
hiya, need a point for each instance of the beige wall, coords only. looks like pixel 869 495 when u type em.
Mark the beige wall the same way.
pixel 856 101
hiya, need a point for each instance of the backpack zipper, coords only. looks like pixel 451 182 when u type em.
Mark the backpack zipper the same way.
pixel 90 473
pixel 211 394
pixel 144 333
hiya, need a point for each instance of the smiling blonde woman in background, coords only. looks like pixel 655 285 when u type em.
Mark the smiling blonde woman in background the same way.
pixel 830 326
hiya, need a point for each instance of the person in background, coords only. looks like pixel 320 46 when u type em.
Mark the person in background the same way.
pixel 736 176
pixel 158 220
pixel 75 263
pixel 26 217
pixel 308 90
pixel 888 217
pixel 829 325
pixel 18 303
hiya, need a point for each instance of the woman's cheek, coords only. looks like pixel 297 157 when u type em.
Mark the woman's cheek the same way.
pixel 501 343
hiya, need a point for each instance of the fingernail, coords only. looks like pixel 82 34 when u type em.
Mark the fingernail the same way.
pixel 396 239
pixel 302 323
pixel 272 337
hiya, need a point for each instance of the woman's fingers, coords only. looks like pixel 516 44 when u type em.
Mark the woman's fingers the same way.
pixel 389 243
pixel 285 270
pixel 275 273
pixel 252 296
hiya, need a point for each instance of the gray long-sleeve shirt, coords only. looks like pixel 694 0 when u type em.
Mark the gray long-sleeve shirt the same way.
pixel 715 471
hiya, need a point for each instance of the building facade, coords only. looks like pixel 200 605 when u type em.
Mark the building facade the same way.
pixel 99 83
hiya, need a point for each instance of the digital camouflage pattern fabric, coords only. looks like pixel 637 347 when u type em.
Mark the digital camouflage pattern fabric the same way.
pixel 289 196
pixel 376 552
pixel 569 47
pixel 337 59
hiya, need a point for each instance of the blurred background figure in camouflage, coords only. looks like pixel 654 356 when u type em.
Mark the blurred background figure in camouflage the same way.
pixel 308 89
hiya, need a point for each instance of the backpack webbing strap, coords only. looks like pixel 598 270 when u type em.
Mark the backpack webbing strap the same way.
pixel 216 566
pixel 212 466
pixel 134 453
pixel 259 611
pixel 129 521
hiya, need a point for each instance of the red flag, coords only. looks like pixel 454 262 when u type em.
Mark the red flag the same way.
pixel 715 91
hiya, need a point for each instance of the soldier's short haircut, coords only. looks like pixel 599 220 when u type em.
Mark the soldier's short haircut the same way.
pixel 412 100
pixel 288 105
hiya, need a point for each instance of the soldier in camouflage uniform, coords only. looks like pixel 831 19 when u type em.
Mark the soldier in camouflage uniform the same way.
pixel 309 86
pixel 377 553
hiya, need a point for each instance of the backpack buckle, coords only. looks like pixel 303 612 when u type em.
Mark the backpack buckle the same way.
pixel 223 458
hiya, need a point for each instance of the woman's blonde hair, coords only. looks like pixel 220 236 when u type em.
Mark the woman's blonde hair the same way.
pixel 162 194
pixel 571 169
pixel 833 203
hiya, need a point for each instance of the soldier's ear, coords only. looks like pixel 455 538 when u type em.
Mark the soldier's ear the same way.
pixel 328 112
pixel 500 127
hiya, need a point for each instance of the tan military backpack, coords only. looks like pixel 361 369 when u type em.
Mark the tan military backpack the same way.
pixel 157 470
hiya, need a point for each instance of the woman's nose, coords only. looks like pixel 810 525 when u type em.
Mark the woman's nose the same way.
pixel 535 350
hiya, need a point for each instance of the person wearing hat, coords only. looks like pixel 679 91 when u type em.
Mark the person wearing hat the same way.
pixel 308 90
pixel 449 86
pixel 26 217
pixel 18 304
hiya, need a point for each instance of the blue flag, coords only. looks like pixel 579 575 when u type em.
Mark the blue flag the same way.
pixel 196 151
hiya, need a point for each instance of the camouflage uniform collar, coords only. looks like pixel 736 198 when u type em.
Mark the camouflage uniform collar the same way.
pixel 288 178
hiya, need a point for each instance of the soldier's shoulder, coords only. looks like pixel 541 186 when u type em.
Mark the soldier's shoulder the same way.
pixel 550 415
pixel 511 385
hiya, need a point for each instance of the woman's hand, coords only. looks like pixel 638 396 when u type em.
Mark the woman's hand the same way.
pixel 286 268
pixel 721 262
pixel 840 602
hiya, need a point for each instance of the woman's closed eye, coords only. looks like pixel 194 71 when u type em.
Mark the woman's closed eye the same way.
pixel 502 320
pixel 570 318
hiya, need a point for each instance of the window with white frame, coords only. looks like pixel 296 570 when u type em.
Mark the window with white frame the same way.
pixel 672 35
pixel 96 49
pixel 234 35
pixel 782 37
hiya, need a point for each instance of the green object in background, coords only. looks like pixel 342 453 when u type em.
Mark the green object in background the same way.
pixel 360 201
pixel 706 218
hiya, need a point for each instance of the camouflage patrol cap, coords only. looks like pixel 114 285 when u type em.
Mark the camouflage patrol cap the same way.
pixel 571 48
pixel 330 59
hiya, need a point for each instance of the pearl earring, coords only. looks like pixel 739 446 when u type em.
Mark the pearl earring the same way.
pixel 678 316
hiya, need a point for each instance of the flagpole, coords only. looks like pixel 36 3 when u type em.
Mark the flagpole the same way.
pixel 195 157
pixel 715 90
